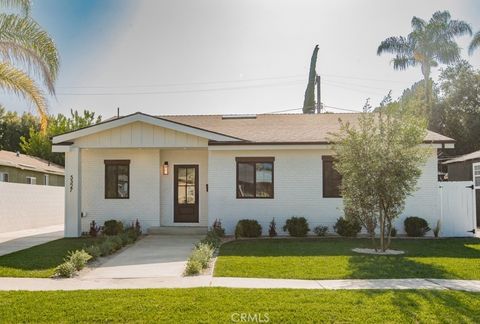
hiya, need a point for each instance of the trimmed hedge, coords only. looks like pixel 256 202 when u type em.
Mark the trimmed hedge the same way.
pixel 416 226
pixel 347 227
pixel 296 226
pixel 248 228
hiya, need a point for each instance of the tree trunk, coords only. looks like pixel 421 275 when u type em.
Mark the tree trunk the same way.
pixel 426 78
pixel 382 230
pixel 389 233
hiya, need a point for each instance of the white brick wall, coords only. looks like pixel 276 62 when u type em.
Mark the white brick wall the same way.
pixel 297 192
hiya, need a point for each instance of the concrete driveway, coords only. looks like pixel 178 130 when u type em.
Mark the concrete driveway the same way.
pixel 23 239
pixel 154 256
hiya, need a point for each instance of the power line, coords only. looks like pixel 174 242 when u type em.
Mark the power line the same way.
pixel 361 78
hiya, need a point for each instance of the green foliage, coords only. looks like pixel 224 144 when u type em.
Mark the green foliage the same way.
pixel 39 144
pixel 212 239
pixel 199 258
pixel 78 258
pixel 218 229
pixel 107 247
pixel 380 160
pixel 193 268
pixel 436 230
pixel 320 230
pixel 393 232
pixel 94 251
pixel 248 228
pixel 66 270
pixel 13 126
pixel 272 228
pixel 347 227
pixel 112 227
pixel 416 226
pixel 309 101
pixel 296 226
pixel 475 43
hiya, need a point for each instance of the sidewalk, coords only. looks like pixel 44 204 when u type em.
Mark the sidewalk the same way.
pixel 19 240
pixel 227 282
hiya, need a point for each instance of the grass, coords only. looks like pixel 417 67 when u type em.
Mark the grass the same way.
pixel 218 305
pixel 40 261
pixel 334 259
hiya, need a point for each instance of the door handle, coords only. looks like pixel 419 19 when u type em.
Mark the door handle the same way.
pixel 471 187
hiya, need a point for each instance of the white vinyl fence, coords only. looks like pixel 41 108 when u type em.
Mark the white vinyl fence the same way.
pixel 457 208
pixel 24 206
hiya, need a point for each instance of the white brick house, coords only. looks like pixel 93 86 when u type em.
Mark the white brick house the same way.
pixel 177 171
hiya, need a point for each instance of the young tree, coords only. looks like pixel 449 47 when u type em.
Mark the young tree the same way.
pixel 380 159
pixel 13 126
pixel 309 101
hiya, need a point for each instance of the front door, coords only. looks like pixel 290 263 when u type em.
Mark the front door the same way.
pixel 185 194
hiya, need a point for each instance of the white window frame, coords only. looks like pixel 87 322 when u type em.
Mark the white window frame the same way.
pixel 2 177
pixel 476 184
pixel 32 180
pixel 46 179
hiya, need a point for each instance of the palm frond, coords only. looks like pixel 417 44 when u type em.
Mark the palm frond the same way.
pixel 418 23
pixel 401 62
pixel 447 52
pixel 459 28
pixel 24 5
pixel 475 43
pixel 18 82
pixel 440 17
pixel 23 40
pixel 395 45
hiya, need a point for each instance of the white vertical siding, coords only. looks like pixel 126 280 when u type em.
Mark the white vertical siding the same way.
pixel 297 191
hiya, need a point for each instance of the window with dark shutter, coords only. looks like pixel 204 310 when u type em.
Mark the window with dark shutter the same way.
pixel 331 179
pixel 254 177
pixel 117 179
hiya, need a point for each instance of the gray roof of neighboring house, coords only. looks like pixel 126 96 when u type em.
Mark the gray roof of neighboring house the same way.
pixel 470 156
pixel 27 162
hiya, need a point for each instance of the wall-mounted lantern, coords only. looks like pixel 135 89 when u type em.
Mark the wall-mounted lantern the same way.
pixel 165 168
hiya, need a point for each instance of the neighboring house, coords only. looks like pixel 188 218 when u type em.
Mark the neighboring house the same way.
pixel 21 168
pixel 174 171
pixel 467 168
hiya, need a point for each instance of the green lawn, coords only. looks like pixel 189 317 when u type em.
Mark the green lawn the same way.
pixel 218 305
pixel 334 259
pixel 39 261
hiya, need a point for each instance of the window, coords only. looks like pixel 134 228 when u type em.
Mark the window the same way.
pixel 331 179
pixel 476 174
pixel 31 180
pixel 45 179
pixel 117 179
pixel 3 177
pixel 255 177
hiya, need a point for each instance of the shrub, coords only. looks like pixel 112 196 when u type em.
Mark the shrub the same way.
pixel 193 267
pixel 217 228
pixel 272 228
pixel 436 230
pixel 93 251
pixel 137 228
pixel 393 232
pixel 347 227
pixel 125 239
pixel 202 254
pixel 296 226
pixel 212 239
pixel 320 230
pixel 248 228
pixel 116 242
pixel 66 270
pixel 132 233
pixel 94 229
pixel 78 258
pixel 416 226
pixel 112 227
pixel 107 248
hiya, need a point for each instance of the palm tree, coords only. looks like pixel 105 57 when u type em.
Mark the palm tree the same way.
pixel 23 44
pixel 429 44
pixel 475 43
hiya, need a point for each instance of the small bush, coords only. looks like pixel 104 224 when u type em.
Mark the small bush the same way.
pixel 217 228
pixel 116 242
pixel 416 226
pixel 393 232
pixel 93 251
pixel 348 228
pixel 94 229
pixel 320 230
pixel 193 268
pixel 78 258
pixel 436 230
pixel 272 228
pixel 296 226
pixel 202 253
pixel 212 239
pixel 112 227
pixel 132 233
pixel 137 228
pixel 66 270
pixel 124 237
pixel 248 228
pixel 107 248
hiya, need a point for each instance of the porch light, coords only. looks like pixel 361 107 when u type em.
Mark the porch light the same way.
pixel 165 168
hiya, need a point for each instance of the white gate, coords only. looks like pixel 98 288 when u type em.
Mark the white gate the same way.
pixel 457 208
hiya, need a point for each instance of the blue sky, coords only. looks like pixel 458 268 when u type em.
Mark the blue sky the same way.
pixel 237 56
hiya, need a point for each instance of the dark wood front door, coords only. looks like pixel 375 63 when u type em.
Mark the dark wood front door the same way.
pixel 185 194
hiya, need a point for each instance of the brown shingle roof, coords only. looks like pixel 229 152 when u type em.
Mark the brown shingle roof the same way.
pixel 470 156
pixel 27 162
pixel 279 128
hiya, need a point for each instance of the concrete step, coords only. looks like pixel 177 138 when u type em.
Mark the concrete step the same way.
pixel 178 230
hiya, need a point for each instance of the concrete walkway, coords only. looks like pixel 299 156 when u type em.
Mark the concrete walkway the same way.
pixel 19 240
pixel 208 281
pixel 155 256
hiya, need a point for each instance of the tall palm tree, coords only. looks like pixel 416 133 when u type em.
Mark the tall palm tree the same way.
pixel 27 53
pixel 429 44
pixel 475 43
